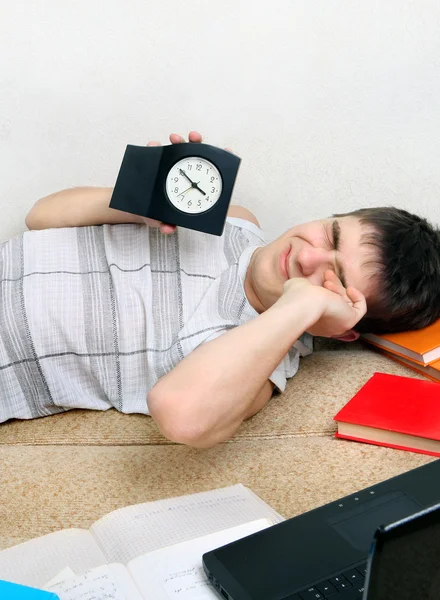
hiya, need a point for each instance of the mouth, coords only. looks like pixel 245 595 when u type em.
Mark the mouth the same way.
pixel 284 261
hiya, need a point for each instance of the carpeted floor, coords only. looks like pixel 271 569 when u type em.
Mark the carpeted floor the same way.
pixel 68 470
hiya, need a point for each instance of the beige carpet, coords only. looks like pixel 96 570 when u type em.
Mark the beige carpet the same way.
pixel 70 469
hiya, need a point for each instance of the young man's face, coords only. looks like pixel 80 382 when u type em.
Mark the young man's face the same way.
pixel 308 250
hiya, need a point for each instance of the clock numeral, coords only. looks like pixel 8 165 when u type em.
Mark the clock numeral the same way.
pixel 199 167
pixel 212 179
pixel 189 167
pixel 199 203
pixel 212 190
pixel 176 179
pixel 176 189
pixel 207 197
pixel 189 203
pixel 207 171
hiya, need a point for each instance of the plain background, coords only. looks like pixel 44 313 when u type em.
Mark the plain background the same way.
pixel 332 104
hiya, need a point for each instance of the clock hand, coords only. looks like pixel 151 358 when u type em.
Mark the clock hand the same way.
pixel 193 184
pixel 182 172
pixel 187 189
pixel 197 188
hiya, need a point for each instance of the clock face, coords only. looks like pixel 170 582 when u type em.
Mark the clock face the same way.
pixel 193 185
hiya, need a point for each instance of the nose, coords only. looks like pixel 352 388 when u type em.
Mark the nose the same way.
pixel 315 261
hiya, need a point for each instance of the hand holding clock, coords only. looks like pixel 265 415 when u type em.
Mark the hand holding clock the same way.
pixel 193 137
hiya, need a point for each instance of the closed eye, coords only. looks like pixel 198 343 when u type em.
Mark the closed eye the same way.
pixel 336 231
pixel 332 235
pixel 328 237
pixel 333 241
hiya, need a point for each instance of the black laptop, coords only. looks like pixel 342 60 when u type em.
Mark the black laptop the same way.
pixel 380 543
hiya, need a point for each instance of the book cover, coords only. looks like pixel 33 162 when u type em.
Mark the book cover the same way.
pixel 394 411
pixel 13 591
pixel 431 371
pixel 421 346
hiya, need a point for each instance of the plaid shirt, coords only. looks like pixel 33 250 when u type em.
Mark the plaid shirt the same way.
pixel 92 317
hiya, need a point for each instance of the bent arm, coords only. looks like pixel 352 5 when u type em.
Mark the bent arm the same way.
pixel 82 206
pixel 206 397
pixel 77 207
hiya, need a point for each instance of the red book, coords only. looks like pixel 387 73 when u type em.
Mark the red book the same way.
pixel 398 412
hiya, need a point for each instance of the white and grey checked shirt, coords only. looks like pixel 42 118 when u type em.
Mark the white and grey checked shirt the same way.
pixel 92 317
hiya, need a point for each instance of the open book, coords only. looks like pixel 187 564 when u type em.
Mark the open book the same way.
pixel 151 550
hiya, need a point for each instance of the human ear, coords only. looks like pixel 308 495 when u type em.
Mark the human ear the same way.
pixel 349 336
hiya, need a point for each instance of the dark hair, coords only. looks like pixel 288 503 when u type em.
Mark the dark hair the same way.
pixel 408 277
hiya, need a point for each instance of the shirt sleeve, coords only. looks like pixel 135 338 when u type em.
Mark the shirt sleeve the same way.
pixel 286 369
pixel 254 234
pixel 290 363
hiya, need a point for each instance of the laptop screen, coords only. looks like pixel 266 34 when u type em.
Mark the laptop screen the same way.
pixel 406 565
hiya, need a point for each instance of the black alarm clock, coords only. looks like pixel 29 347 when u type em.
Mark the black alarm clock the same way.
pixel 189 185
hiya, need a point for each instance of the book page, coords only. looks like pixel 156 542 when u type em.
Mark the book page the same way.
pixel 109 582
pixel 129 532
pixel 62 575
pixel 35 562
pixel 176 572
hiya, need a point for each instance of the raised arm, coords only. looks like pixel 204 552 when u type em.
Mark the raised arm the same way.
pixel 82 206
pixel 77 207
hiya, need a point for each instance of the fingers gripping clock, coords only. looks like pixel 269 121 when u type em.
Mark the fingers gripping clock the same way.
pixel 188 185
pixel 193 185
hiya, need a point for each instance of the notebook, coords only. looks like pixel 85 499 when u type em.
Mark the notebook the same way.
pixel 126 540
pixel 170 573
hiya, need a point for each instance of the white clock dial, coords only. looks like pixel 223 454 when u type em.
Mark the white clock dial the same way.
pixel 193 185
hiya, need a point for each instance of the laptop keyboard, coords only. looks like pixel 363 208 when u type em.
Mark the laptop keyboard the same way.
pixel 348 585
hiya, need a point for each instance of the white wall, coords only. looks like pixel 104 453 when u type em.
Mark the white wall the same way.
pixel 332 104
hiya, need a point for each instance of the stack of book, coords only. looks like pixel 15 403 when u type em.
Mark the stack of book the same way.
pixel 399 412
pixel 419 350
